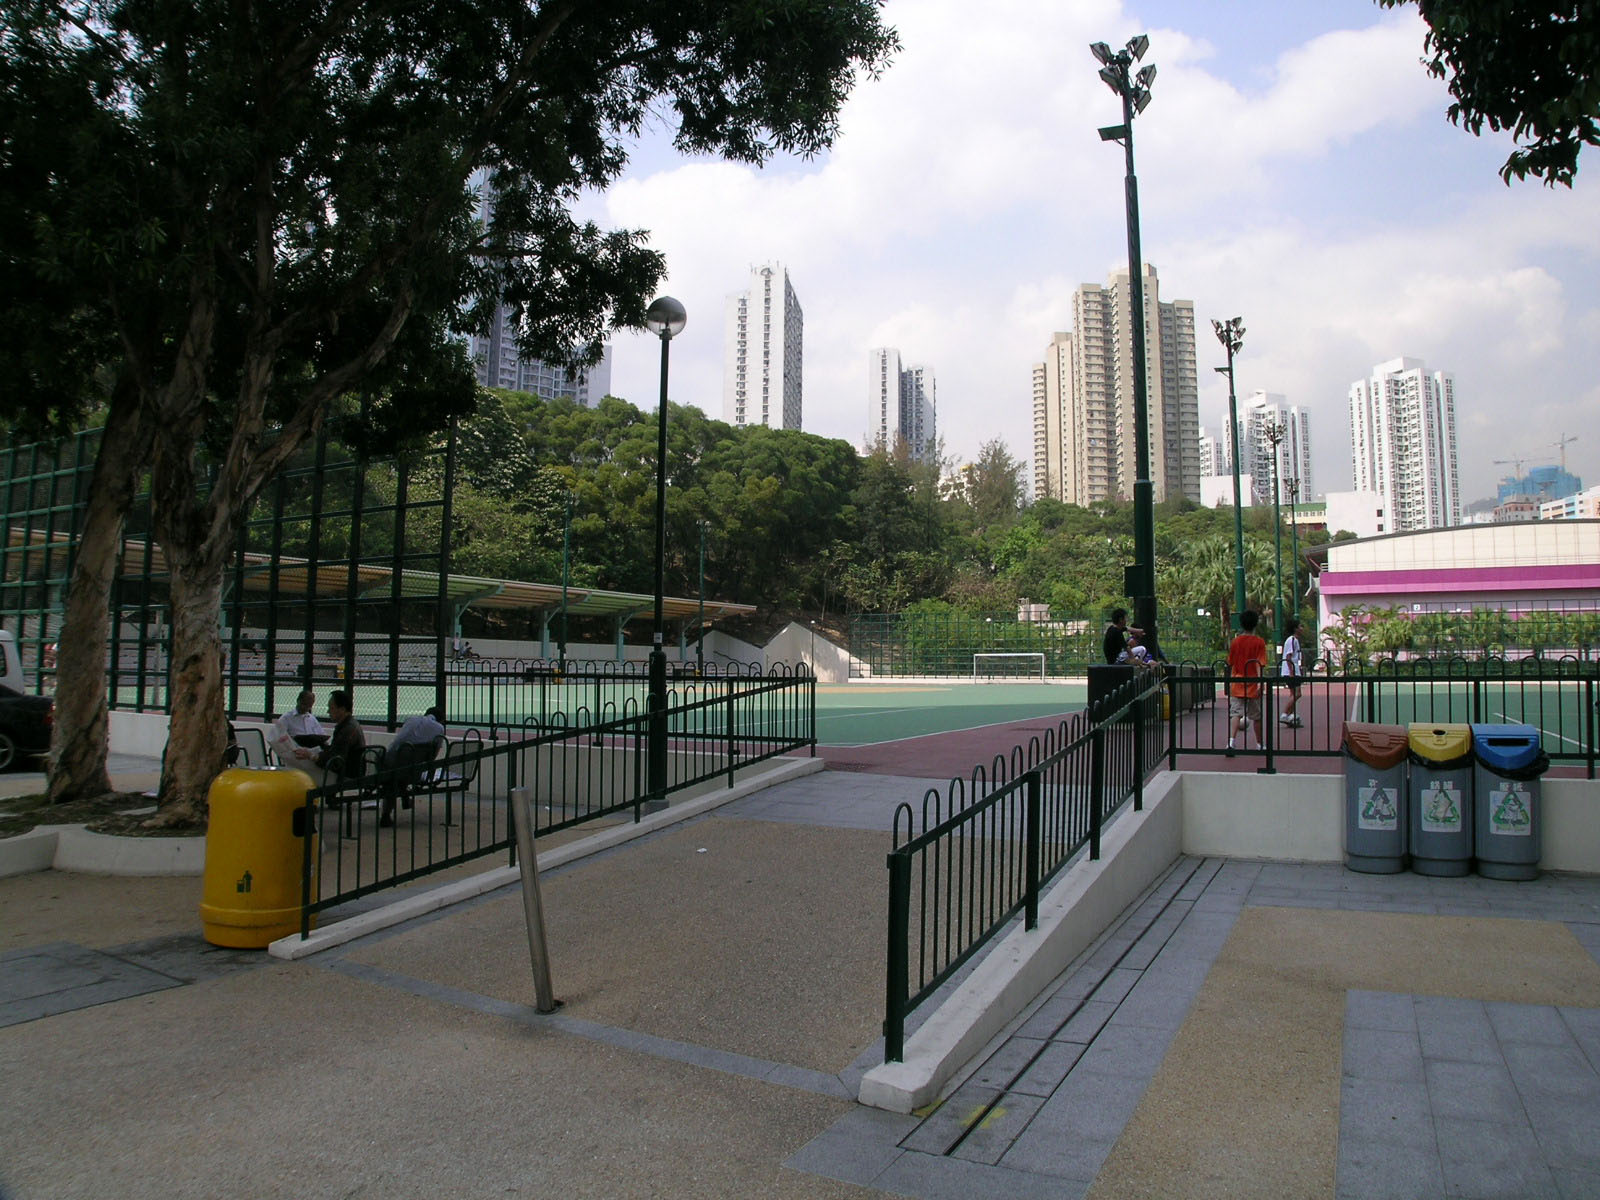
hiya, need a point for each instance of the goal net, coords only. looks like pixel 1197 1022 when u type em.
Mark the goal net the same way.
pixel 995 666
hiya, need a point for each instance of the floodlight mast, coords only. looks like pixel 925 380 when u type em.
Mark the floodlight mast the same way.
pixel 1116 67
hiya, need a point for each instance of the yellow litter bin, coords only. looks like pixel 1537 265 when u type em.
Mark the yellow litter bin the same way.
pixel 1441 798
pixel 254 857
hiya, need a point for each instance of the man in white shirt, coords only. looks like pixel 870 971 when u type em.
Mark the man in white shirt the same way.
pixel 299 720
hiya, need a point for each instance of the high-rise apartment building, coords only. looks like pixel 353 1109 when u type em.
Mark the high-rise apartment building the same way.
pixel 1403 443
pixel 1084 410
pixel 1054 470
pixel 901 405
pixel 762 352
pixel 1213 454
pixel 499 363
pixel 1261 411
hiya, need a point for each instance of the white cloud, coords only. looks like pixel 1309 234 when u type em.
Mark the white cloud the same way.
pixel 1323 197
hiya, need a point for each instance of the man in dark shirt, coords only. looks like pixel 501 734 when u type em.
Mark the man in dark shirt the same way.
pixel 1117 635
pixel 343 752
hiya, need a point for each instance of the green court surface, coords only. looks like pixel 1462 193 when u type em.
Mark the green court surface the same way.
pixel 866 714
pixel 1559 710
pixel 847 714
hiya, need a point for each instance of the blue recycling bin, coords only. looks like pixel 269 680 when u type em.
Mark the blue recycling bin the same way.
pixel 1508 763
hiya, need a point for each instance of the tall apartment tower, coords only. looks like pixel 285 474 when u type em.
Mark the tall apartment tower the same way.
pixel 901 405
pixel 762 352
pixel 1403 443
pixel 1054 466
pixel 498 362
pixel 1213 452
pixel 1087 395
pixel 1261 410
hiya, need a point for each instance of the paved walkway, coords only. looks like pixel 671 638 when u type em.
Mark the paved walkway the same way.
pixel 1157 1064
pixel 1245 1029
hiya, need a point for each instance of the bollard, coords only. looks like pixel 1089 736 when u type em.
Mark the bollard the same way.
pixel 532 903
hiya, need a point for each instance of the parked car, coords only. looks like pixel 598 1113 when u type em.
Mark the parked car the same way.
pixel 24 725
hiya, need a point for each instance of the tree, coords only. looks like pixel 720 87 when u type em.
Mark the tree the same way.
pixel 256 213
pixel 1523 66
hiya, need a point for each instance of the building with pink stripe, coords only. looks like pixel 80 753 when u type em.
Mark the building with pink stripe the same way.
pixel 1523 567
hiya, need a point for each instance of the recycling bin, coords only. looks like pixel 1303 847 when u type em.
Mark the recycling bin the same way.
pixel 1508 764
pixel 254 857
pixel 1374 797
pixel 1440 798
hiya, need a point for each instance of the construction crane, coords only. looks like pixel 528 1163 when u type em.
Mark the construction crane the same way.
pixel 1515 461
pixel 1563 442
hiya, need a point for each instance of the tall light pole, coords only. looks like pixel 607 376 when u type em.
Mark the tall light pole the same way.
pixel 1293 484
pixel 1274 431
pixel 1134 90
pixel 566 574
pixel 1231 334
pixel 665 318
pixel 700 622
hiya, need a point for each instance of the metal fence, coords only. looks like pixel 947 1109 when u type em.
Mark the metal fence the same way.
pixel 977 863
pixel 1555 695
pixel 945 643
pixel 391 825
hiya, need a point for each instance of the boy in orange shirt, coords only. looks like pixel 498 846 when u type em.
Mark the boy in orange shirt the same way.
pixel 1247 658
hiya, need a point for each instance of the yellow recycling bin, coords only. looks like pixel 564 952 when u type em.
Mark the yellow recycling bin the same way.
pixel 1441 798
pixel 254 857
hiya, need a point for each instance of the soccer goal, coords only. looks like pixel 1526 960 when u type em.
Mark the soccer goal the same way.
pixel 1027 665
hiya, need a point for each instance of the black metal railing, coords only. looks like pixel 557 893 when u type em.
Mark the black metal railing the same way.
pixel 392 825
pixel 1556 695
pixel 975 865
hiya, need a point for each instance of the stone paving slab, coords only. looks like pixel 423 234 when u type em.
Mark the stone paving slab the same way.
pixel 1230 1036
pixel 60 977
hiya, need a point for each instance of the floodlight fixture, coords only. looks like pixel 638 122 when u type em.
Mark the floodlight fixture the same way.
pixel 1138 45
pixel 1101 51
pixel 1146 75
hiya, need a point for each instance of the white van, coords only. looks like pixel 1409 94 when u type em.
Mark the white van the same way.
pixel 10 664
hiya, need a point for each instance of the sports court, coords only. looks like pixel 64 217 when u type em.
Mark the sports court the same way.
pixel 856 715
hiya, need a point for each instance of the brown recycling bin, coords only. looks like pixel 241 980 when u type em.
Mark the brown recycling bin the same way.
pixel 1375 797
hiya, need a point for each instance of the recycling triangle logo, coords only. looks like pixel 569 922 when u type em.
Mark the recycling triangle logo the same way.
pixel 1379 805
pixel 1441 806
pixel 1510 813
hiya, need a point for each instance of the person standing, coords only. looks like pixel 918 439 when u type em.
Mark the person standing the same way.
pixel 1293 670
pixel 1247 658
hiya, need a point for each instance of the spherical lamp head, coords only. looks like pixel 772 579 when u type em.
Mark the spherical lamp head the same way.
pixel 665 317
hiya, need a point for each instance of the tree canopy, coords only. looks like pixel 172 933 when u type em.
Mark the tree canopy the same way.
pixel 224 221
pixel 1521 66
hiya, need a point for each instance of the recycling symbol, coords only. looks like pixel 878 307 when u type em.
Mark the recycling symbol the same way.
pixel 1377 807
pixel 1440 813
pixel 1509 813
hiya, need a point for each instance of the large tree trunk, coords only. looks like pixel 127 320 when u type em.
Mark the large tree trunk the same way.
pixel 79 741
pixel 198 736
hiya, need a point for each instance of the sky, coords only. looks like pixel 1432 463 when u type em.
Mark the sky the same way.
pixel 1296 169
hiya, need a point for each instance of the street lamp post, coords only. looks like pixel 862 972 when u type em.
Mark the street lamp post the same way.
pixel 1231 334
pixel 665 318
pixel 1274 433
pixel 1134 90
pixel 1293 484
pixel 700 621
pixel 566 574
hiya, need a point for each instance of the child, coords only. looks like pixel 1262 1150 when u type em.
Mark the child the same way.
pixel 1292 669
pixel 1247 657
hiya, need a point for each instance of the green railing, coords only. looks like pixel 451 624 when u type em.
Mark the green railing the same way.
pixel 945 643
pixel 392 825
pixel 976 865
